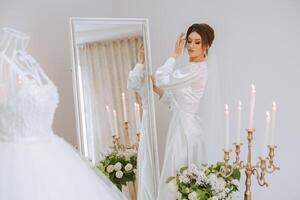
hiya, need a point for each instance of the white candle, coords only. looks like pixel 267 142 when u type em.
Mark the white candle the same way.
pixel 137 117
pixel 226 112
pixel 115 123
pixel 252 105
pixel 274 108
pixel 124 107
pixel 238 139
pixel 110 120
pixel 267 130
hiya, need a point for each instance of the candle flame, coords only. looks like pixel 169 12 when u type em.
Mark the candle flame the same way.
pixel 253 87
pixel 240 104
pixel 226 107
pixel 274 105
pixel 268 115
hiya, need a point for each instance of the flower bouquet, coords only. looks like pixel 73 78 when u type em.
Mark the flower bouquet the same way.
pixel 119 165
pixel 206 183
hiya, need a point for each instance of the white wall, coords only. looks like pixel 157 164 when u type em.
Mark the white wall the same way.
pixel 258 41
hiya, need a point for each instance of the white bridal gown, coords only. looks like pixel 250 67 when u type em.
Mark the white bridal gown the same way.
pixel 184 88
pixel 147 154
pixel 35 163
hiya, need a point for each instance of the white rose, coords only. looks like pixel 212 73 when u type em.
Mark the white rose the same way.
pixel 119 174
pixel 221 182
pixel 178 195
pixel 172 185
pixel 213 198
pixel 118 166
pixel 128 167
pixel 192 196
pixel 110 168
pixel 185 172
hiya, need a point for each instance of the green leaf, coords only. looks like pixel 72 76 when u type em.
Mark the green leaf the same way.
pixel 236 174
pixel 182 169
pixel 170 179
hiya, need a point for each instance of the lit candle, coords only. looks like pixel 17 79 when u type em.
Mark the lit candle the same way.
pixel 137 117
pixel 267 130
pixel 115 123
pixel 252 105
pixel 110 120
pixel 238 139
pixel 274 108
pixel 124 107
pixel 226 112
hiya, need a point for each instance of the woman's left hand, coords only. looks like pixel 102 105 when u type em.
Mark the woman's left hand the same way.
pixel 141 54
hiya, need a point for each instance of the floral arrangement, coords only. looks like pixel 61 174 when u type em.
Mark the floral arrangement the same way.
pixel 206 183
pixel 119 165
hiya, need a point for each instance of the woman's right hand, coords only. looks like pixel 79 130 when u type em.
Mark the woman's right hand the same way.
pixel 156 89
pixel 180 42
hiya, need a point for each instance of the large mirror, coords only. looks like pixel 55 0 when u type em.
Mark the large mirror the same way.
pixel 114 102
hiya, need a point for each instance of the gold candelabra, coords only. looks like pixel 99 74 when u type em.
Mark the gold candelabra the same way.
pixel 116 139
pixel 263 166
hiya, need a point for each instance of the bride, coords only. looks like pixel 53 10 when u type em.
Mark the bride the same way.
pixel 182 89
pixel 35 163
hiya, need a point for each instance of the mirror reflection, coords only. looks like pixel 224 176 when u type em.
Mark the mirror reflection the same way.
pixel 113 99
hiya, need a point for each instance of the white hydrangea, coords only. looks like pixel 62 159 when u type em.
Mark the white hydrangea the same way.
pixel 201 178
pixel 235 182
pixel 128 167
pixel 110 168
pixel 119 174
pixel 118 166
pixel 192 196
pixel 184 179
pixel 212 179
pixel 221 195
pixel 128 153
pixel 233 195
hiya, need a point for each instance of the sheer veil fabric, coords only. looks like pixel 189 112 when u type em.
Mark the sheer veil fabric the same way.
pixel 193 94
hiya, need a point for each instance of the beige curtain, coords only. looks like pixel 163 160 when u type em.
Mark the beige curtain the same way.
pixel 104 69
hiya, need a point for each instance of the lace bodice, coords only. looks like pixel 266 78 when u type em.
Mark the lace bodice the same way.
pixel 28 115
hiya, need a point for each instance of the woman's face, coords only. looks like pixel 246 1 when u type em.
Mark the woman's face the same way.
pixel 194 45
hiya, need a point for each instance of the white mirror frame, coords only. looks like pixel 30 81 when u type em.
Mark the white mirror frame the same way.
pixel 77 82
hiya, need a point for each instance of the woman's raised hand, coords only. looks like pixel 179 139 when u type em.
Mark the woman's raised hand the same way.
pixel 141 54
pixel 156 89
pixel 180 42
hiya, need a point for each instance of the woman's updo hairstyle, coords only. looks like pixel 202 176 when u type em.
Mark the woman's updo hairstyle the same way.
pixel 205 31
